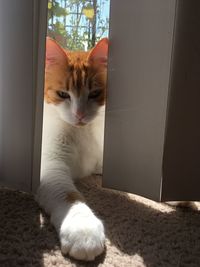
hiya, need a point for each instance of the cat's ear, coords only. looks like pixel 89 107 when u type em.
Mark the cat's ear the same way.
pixel 99 54
pixel 55 55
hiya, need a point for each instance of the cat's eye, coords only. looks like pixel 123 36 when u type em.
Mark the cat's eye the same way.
pixel 94 94
pixel 63 95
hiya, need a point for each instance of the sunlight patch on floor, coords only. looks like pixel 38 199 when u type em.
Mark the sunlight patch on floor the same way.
pixel 162 207
pixel 197 204
pixel 139 260
pixel 41 220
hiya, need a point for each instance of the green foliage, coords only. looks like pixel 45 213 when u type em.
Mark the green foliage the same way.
pixel 76 24
pixel 55 10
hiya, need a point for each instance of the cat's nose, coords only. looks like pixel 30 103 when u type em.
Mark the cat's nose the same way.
pixel 79 115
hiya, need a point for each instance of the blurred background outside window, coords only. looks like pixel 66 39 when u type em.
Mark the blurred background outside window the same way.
pixel 78 24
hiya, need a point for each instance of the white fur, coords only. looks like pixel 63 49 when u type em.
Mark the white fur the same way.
pixel 70 152
pixel 82 233
pixel 68 109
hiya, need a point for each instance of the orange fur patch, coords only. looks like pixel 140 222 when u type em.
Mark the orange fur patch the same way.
pixel 74 73
pixel 74 196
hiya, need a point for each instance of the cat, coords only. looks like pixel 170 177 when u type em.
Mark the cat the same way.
pixel 72 146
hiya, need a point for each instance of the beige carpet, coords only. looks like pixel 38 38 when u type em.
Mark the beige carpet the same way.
pixel 140 232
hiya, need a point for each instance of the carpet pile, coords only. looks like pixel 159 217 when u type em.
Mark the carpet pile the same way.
pixel 140 232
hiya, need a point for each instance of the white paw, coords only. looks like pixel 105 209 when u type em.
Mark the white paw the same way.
pixel 82 233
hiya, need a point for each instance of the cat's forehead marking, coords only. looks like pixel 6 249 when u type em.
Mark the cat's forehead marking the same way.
pixel 78 77
pixel 60 82
pixel 79 80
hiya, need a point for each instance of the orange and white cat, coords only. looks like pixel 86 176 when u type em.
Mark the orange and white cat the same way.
pixel 75 84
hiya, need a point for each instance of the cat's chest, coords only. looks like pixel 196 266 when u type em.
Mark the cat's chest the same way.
pixel 89 151
pixel 80 148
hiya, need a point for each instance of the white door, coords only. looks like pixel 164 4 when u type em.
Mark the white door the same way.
pixel 152 133
pixel 22 31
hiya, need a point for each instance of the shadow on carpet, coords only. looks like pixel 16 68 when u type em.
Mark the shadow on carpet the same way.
pixel 140 232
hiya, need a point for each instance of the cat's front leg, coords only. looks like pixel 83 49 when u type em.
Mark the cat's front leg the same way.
pixel 81 233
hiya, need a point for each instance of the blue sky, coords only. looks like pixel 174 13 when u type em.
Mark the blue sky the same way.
pixel 104 13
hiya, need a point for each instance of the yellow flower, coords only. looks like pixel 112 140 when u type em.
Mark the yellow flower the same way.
pixel 49 5
pixel 88 12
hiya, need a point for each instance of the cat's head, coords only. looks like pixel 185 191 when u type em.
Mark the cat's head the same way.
pixel 75 82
